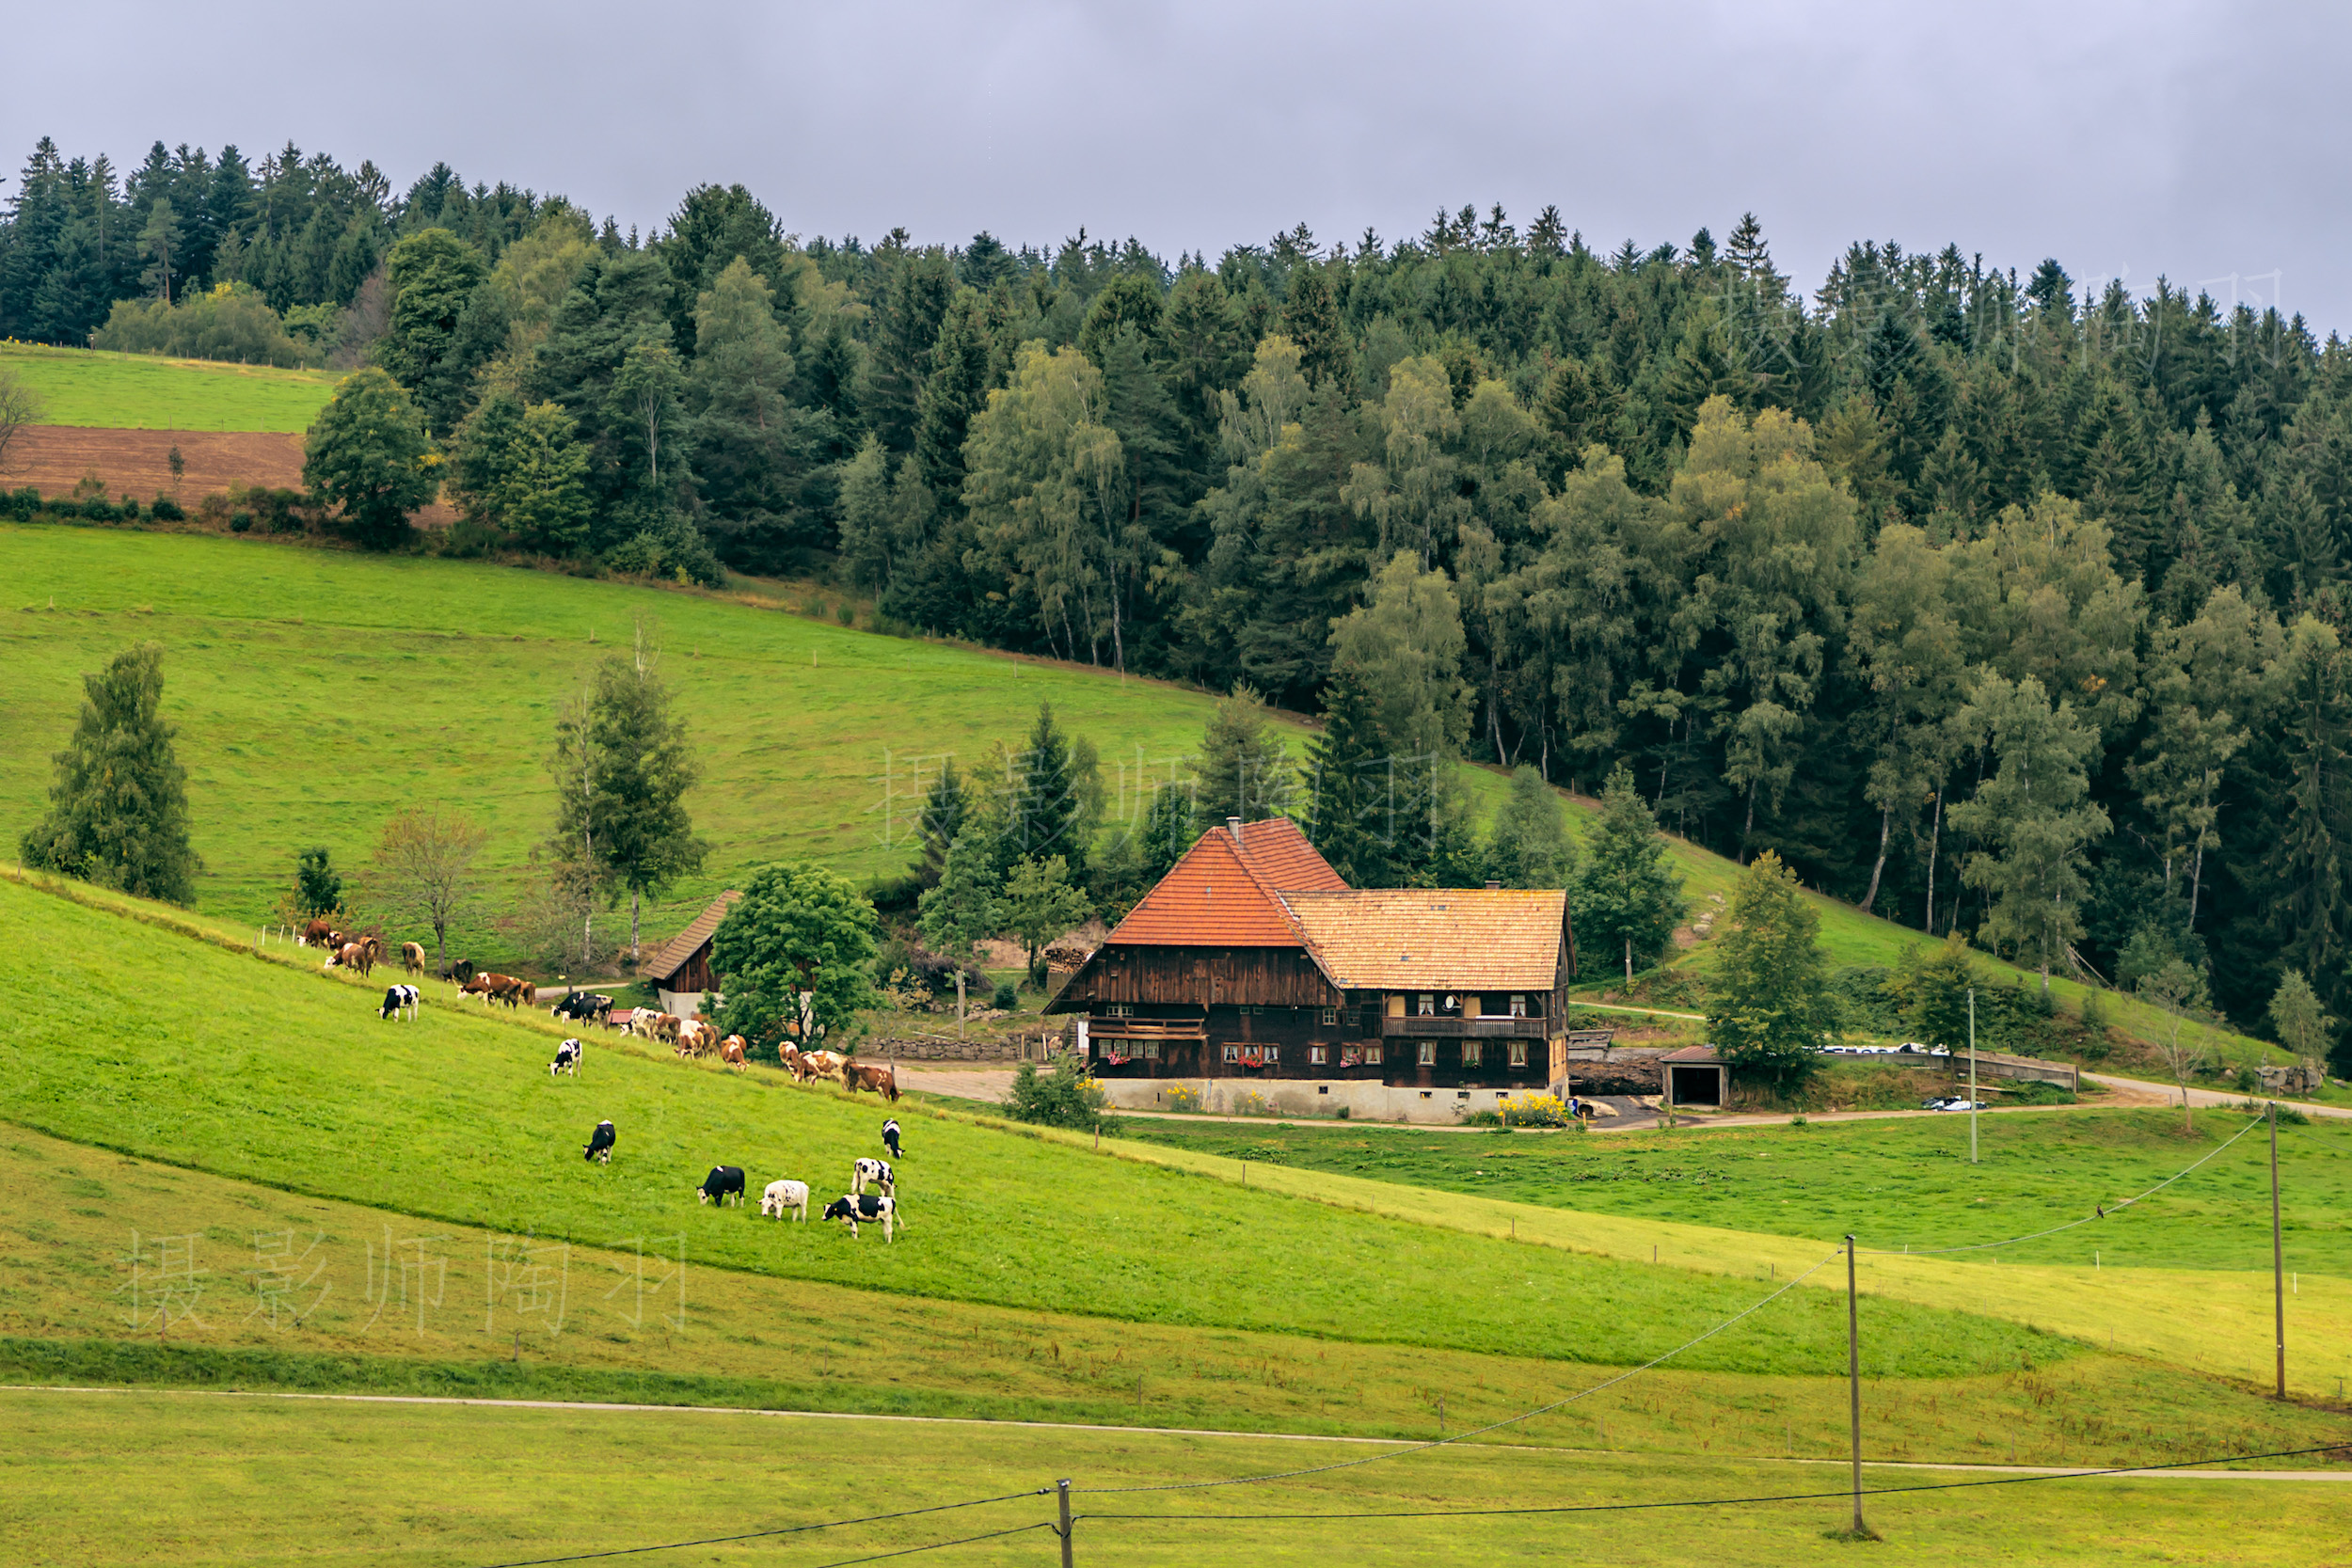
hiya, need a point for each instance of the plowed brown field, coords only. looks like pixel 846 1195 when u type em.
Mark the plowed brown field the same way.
pixel 55 458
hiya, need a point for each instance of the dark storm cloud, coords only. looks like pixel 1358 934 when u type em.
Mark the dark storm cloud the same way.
pixel 2202 142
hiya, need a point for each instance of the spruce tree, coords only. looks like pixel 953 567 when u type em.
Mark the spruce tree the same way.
pixel 1311 318
pixel 642 769
pixel 1348 820
pixel 1625 899
pixel 1244 767
pixel 1529 846
pixel 942 823
pixel 118 811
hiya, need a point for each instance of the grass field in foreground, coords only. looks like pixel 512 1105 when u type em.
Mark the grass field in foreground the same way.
pixel 263 1481
pixel 287 1291
pixel 1905 1183
pixel 139 391
pixel 261 1072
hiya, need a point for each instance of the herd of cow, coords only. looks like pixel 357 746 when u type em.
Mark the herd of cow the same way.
pixel 687 1036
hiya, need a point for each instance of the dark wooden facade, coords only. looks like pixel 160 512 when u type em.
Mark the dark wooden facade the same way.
pixel 1200 977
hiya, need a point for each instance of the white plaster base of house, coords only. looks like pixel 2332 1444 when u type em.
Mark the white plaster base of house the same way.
pixel 1304 1097
pixel 683 1004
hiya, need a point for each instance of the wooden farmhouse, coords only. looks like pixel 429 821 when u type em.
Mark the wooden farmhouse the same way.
pixel 1252 968
pixel 679 969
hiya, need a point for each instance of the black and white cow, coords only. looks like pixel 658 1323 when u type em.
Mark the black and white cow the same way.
pixel 890 1138
pixel 850 1209
pixel 581 1007
pixel 723 1183
pixel 399 999
pixel 781 1196
pixel 876 1171
pixel 600 1144
pixel 566 1059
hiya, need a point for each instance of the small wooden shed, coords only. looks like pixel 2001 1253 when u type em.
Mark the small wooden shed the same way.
pixel 1694 1075
pixel 680 967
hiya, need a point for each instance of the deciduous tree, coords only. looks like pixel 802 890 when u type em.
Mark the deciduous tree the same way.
pixel 366 455
pixel 1769 1004
pixel 798 931
pixel 423 870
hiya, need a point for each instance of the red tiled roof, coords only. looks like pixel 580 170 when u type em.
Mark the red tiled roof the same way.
pixel 1209 900
pixel 1282 859
pixel 672 956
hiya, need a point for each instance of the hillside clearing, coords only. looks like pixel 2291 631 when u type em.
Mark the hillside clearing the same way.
pixel 140 391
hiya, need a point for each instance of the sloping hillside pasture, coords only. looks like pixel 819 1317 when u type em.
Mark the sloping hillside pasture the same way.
pixel 142 392
pixel 256 1482
pixel 319 691
pixel 292 1296
pixel 1912 1176
pixel 192 1056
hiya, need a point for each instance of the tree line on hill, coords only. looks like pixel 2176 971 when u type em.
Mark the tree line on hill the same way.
pixel 2000 605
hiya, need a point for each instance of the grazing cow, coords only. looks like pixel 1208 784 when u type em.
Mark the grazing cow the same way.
pixel 851 1209
pixel 890 1137
pixel 824 1064
pixel 724 1181
pixel 876 1171
pixel 356 955
pixel 498 987
pixel 478 985
pixel 781 1196
pixel 600 1144
pixel 731 1052
pixel 459 972
pixel 398 999
pixel 794 1063
pixel 566 1059
pixel 696 1037
pixel 581 1007
pixel 882 1080
pixel 662 1026
pixel 320 933
pixel 412 958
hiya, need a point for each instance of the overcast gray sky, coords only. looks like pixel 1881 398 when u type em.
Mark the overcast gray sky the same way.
pixel 2199 141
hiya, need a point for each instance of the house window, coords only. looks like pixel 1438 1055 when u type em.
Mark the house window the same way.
pixel 1232 1052
pixel 1429 1005
pixel 1428 1052
pixel 1519 1006
pixel 1519 1053
pixel 1371 1054
pixel 1120 1009
pixel 1272 1053
pixel 1473 1053
pixel 1317 1056
pixel 1330 1017
pixel 1151 1051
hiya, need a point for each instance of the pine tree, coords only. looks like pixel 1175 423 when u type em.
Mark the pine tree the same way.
pixel 1244 767
pixel 1311 318
pixel 942 823
pixel 1624 900
pixel 118 811
pixel 318 891
pixel 1348 822
pixel 1529 846
pixel 961 907
pixel 644 768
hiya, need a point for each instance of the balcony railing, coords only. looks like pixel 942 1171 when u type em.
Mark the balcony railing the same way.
pixel 1423 1028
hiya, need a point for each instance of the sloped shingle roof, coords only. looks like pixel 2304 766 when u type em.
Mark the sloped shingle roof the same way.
pixel 670 957
pixel 1222 893
pixel 1459 939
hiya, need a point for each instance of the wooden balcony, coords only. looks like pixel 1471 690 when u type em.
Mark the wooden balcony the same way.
pixel 1423 1028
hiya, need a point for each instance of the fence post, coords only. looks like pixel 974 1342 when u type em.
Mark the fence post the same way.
pixel 1854 1383
pixel 1063 1489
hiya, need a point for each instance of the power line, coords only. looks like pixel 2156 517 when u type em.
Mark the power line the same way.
pixel 2087 1219
pixel 935 1545
pixel 786 1530
pixel 1493 1426
pixel 1721 1503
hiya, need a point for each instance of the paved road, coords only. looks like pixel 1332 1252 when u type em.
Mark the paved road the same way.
pixel 1140 1431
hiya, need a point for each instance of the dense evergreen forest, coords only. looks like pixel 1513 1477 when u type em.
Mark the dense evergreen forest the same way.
pixel 1990 604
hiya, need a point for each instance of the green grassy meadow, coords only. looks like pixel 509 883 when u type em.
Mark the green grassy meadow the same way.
pixel 138 391
pixel 260 1071
pixel 318 692
pixel 1907 1184
pixel 262 1481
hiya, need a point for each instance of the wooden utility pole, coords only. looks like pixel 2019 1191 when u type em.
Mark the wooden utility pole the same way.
pixel 1972 1075
pixel 2278 1257
pixel 1854 1383
pixel 1063 1487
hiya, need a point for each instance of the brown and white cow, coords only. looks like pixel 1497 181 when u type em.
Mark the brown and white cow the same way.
pixel 412 957
pixel 320 933
pixel 696 1037
pixel 731 1052
pixel 360 956
pixel 883 1081
pixel 824 1064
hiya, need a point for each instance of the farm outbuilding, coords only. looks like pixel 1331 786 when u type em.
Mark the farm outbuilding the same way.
pixel 679 969
pixel 1695 1075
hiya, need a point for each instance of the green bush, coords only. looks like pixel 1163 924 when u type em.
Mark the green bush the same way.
pixel 166 509
pixel 240 522
pixel 19 506
pixel 1008 997
pixel 1061 1098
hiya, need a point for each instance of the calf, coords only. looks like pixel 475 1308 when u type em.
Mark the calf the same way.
pixel 849 1210
pixel 600 1144
pixel 566 1059
pixel 731 1052
pixel 882 1080
pixel 876 1171
pixel 724 1181
pixel 890 1137
pixel 355 954
pixel 398 999
pixel 412 958
pixel 781 1196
